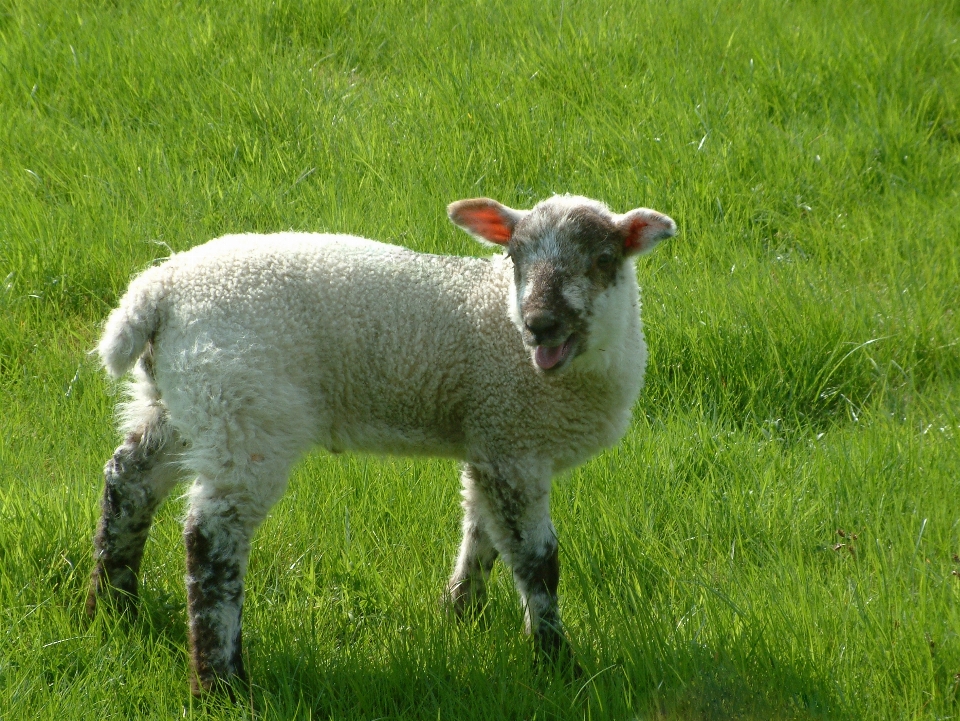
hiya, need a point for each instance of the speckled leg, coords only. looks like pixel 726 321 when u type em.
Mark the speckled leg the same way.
pixel 217 551
pixel 467 589
pixel 516 515
pixel 137 478
pixel 220 525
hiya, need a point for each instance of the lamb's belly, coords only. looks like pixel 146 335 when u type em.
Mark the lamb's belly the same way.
pixel 378 437
pixel 401 410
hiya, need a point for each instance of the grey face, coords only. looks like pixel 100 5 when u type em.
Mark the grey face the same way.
pixel 564 257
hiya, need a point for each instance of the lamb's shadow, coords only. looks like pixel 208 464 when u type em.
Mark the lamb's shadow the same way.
pixel 431 686
pixel 394 677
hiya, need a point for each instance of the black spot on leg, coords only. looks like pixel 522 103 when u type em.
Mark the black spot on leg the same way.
pixel 537 572
pixel 541 574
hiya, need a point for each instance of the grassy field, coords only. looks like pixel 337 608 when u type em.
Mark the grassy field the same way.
pixel 775 538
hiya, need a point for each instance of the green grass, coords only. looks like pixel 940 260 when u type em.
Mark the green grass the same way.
pixel 803 327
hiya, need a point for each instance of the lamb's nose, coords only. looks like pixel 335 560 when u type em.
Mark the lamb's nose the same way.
pixel 542 323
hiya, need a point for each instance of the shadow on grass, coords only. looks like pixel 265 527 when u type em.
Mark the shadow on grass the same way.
pixel 641 668
pixel 428 685
pixel 473 674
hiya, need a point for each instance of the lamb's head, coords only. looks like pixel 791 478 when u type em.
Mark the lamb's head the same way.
pixel 569 254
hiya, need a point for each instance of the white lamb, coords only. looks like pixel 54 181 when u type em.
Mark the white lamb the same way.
pixel 251 349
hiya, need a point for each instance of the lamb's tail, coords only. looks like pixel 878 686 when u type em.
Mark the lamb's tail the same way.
pixel 132 324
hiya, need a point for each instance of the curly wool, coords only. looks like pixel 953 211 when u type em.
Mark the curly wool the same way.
pixel 267 343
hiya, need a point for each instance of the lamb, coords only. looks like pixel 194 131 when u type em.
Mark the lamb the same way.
pixel 250 349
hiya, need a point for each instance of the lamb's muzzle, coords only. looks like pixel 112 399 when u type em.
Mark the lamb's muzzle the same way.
pixel 251 349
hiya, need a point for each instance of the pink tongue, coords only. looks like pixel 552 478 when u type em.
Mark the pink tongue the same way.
pixel 547 358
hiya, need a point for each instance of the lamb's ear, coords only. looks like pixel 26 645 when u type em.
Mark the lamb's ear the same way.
pixel 485 219
pixel 643 228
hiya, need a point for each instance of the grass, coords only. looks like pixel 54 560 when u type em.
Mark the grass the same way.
pixel 803 327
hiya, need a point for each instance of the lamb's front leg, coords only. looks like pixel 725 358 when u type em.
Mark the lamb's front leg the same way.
pixel 467 589
pixel 516 513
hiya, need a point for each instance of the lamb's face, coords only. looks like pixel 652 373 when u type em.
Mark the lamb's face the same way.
pixel 569 255
pixel 565 255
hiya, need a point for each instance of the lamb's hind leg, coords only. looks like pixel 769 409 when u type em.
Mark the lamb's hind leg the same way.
pixel 137 478
pixel 223 515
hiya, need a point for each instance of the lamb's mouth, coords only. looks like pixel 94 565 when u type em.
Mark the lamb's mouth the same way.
pixel 552 358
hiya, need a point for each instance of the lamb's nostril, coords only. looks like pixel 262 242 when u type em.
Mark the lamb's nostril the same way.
pixel 541 323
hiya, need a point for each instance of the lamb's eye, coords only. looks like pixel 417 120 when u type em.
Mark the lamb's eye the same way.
pixel 605 261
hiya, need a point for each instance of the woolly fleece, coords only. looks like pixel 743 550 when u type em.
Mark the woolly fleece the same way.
pixel 273 343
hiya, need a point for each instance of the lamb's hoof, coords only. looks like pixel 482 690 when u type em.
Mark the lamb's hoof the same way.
pixel 553 653
pixel 119 599
pixel 211 685
pixel 461 603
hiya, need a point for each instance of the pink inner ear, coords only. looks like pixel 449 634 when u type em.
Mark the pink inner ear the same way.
pixel 634 237
pixel 487 223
